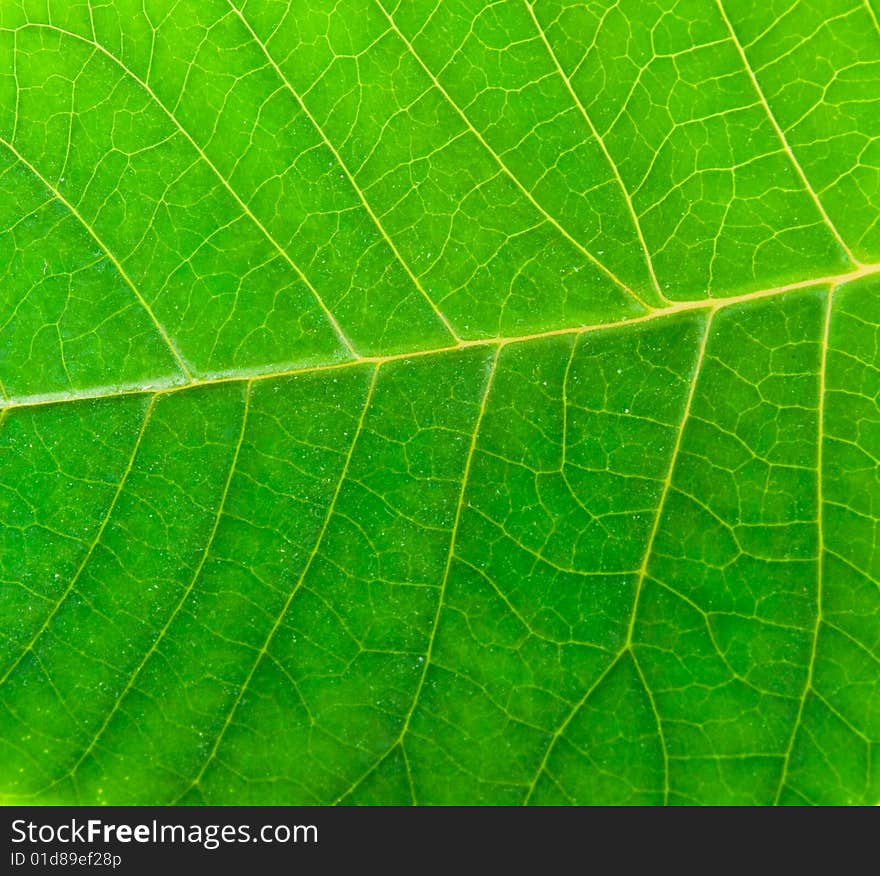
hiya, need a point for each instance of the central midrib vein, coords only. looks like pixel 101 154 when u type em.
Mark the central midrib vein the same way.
pixel 175 384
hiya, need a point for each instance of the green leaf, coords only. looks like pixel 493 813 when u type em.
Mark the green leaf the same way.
pixel 454 402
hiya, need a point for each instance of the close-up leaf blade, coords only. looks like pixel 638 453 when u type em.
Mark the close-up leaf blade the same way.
pixel 454 403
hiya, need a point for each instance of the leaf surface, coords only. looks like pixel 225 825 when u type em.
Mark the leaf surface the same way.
pixel 439 403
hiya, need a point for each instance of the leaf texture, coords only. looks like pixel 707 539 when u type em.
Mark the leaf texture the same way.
pixel 464 402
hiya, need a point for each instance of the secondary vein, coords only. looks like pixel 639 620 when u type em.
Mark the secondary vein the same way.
pixel 91 548
pixel 230 715
pixel 160 328
pixel 349 175
pixel 507 171
pixel 183 598
pixel 782 138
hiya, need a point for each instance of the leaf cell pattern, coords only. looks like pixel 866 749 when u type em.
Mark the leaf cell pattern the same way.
pixel 462 402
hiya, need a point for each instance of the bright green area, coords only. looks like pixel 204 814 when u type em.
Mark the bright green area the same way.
pixel 453 402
